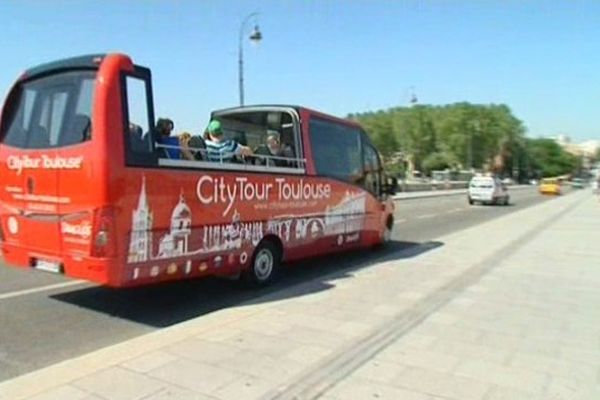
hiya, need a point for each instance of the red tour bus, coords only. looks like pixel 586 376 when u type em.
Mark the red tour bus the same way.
pixel 88 188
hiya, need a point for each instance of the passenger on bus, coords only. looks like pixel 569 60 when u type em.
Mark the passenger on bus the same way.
pixel 219 149
pixel 164 126
pixel 273 152
pixel 192 147
pixel 135 138
pixel 170 145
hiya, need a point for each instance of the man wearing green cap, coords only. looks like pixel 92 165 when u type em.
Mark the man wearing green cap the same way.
pixel 219 149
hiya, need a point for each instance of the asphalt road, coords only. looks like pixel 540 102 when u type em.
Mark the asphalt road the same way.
pixel 47 318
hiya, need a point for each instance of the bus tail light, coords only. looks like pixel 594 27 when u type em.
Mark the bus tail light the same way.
pixel 104 240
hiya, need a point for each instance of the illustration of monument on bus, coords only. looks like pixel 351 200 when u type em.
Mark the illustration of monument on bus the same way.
pixel 176 242
pixel 140 242
pixel 343 218
pixel 347 216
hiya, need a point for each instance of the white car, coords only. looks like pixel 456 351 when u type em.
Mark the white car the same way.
pixel 487 190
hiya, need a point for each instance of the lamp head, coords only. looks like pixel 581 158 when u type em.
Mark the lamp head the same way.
pixel 256 35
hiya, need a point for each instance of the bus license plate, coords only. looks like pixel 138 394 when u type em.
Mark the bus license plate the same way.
pixel 49 266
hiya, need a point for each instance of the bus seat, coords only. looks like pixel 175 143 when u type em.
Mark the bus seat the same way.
pixel 240 137
pixel 197 142
pixel 287 136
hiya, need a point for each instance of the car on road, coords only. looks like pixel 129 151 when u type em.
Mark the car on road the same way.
pixel 487 190
pixel 550 186
pixel 577 183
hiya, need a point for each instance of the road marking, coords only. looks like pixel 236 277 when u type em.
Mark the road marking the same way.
pixel 426 216
pixel 455 210
pixel 46 288
pixel 400 221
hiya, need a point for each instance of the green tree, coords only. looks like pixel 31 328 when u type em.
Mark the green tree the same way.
pixel 547 159
pixel 462 135
pixel 438 161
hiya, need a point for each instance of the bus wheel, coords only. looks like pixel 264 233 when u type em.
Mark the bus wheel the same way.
pixel 264 265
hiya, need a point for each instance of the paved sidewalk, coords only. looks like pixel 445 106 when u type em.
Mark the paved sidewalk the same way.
pixel 504 310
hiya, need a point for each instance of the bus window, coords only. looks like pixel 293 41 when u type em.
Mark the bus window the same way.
pixel 252 128
pixel 137 125
pixel 59 104
pixel 50 112
pixel 336 150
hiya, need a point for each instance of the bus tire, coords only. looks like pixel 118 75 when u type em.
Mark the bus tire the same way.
pixel 264 266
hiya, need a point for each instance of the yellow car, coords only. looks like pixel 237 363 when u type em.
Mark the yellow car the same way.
pixel 550 186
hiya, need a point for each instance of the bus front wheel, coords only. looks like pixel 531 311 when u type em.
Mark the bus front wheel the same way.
pixel 264 266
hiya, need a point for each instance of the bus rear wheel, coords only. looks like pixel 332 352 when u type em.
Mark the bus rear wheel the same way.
pixel 264 266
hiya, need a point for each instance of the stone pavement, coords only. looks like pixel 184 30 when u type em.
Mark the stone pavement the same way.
pixel 505 310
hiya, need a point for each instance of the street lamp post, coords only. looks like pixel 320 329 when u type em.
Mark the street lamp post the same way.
pixel 256 37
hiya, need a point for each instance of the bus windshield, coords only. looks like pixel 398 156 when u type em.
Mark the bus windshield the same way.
pixel 52 111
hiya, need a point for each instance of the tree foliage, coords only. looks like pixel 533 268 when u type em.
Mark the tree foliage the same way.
pixel 548 159
pixel 461 136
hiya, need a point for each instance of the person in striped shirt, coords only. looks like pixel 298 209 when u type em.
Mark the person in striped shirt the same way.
pixel 219 149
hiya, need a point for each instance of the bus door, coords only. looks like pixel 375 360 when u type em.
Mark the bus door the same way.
pixel 138 118
pixel 336 153
pixel 139 146
pixel 372 182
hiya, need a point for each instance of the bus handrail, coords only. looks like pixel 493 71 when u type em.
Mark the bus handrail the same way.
pixel 301 162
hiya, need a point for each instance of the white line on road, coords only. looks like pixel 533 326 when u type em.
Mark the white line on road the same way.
pixel 426 216
pixel 400 221
pixel 10 295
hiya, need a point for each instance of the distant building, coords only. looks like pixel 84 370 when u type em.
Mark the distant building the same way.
pixel 587 149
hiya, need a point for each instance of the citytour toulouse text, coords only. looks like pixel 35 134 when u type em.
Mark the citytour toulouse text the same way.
pixel 211 190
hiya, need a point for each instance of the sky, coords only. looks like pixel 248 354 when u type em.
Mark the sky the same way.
pixel 541 58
